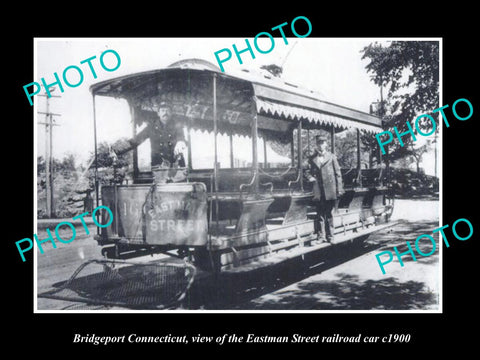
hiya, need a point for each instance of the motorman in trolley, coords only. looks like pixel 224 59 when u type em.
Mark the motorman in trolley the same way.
pixel 323 170
pixel 167 140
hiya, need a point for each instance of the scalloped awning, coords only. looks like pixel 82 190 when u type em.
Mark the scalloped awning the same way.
pixel 315 118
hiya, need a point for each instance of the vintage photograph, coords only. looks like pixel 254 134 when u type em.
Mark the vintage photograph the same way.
pixel 166 184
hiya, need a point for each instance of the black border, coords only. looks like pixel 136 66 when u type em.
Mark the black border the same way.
pixel 429 331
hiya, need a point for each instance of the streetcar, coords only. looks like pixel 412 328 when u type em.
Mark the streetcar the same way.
pixel 228 216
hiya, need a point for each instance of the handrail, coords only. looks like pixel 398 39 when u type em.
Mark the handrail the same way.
pixel 268 184
pixel 250 184
pixel 358 179
pixel 350 169
pixel 378 180
pixel 296 181
pixel 279 176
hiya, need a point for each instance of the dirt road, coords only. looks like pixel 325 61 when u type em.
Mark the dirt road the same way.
pixel 354 280
pixel 343 278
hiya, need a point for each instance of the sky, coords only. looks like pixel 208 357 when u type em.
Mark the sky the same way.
pixel 330 66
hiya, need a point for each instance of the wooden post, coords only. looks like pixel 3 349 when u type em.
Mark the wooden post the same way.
pixel 300 154
pixel 189 128
pixel 48 170
pixel 50 204
pixel 215 131
pixel 96 160
pixel 134 150
pixel 189 146
pixel 265 160
pixel 255 150
pixel 230 137
pixel 332 136
pixel 292 150
pixel 387 163
pixel 308 142
pixel 380 164
pixel 50 160
pixel 359 162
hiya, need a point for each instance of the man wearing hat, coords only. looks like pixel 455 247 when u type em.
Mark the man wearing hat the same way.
pixel 166 138
pixel 323 170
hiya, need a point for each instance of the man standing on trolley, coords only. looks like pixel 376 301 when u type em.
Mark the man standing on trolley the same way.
pixel 323 170
pixel 167 140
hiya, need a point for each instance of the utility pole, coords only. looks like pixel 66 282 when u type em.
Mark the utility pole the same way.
pixel 49 124
pixel 382 114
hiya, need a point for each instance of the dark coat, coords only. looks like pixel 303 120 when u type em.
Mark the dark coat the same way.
pixel 325 173
pixel 163 139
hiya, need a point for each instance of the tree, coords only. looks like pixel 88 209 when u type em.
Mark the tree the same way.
pixel 111 170
pixel 346 150
pixel 67 188
pixel 409 71
pixel 417 153
pixel 66 165
pixel 345 147
pixel 40 165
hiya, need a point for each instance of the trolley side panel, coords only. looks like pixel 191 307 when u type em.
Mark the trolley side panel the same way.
pixel 126 204
pixel 168 214
pixel 176 214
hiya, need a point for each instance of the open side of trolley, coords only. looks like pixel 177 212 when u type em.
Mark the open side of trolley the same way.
pixel 224 218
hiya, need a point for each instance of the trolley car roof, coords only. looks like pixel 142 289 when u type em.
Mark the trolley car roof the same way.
pixel 187 86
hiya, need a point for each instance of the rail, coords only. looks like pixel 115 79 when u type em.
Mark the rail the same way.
pixel 249 185
pixel 296 181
